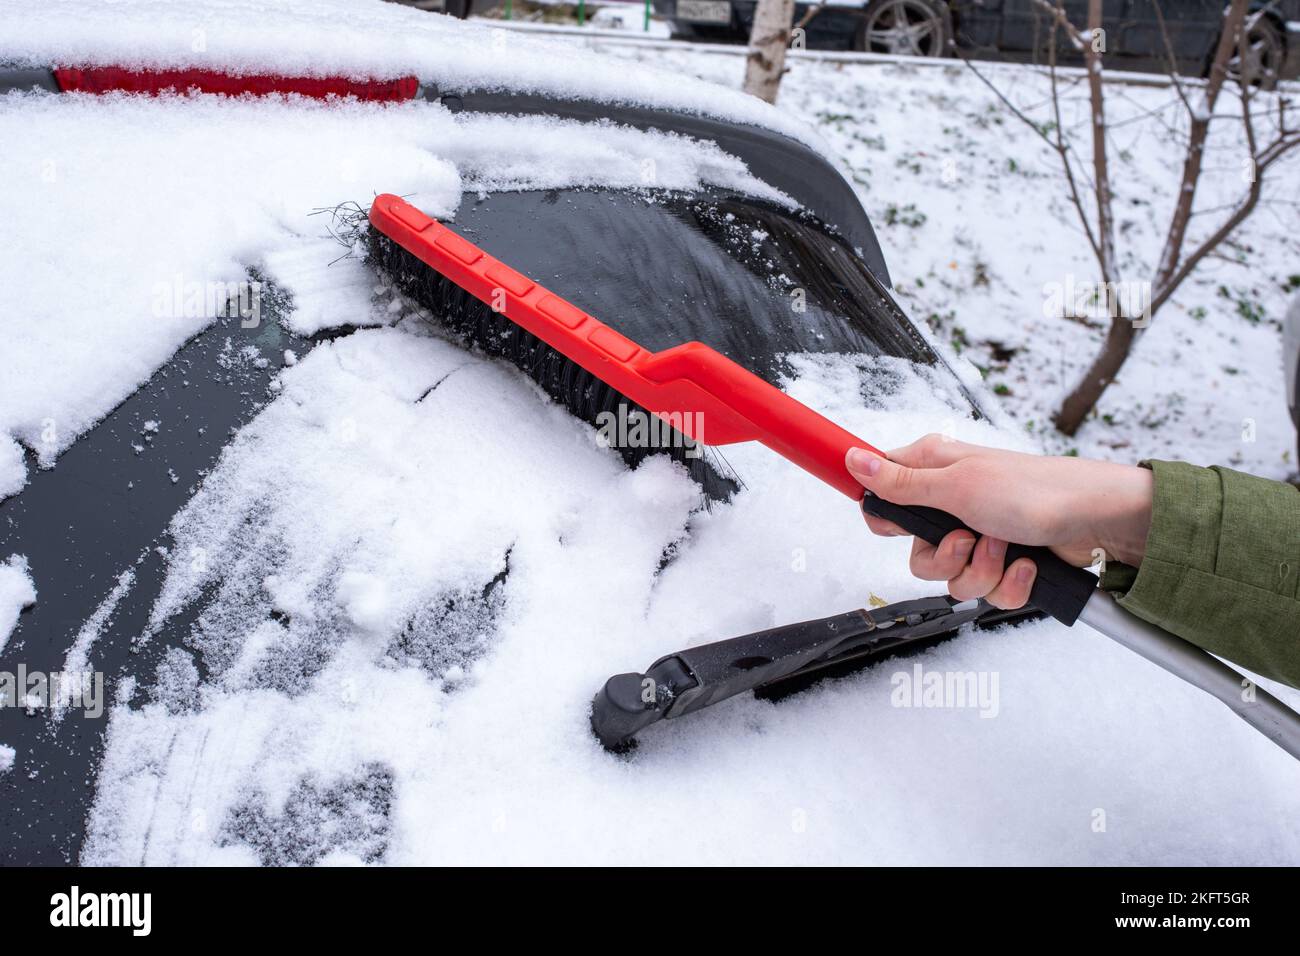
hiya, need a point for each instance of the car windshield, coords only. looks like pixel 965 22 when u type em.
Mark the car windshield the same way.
pixel 753 281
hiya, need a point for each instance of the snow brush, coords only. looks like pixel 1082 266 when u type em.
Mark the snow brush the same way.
pixel 590 368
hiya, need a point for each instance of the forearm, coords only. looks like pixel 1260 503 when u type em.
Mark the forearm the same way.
pixel 1222 566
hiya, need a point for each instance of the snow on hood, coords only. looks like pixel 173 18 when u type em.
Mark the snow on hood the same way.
pixel 129 211
pixel 16 593
pixel 413 572
pixel 359 38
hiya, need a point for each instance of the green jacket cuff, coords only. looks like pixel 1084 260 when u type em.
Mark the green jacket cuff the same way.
pixel 1221 566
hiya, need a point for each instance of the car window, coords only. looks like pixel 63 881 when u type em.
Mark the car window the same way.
pixel 753 281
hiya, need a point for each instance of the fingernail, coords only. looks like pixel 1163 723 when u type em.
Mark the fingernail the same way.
pixel 963 547
pixel 997 548
pixel 1024 573
pixel 861 460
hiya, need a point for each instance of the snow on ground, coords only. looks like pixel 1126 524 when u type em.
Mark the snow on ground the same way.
pixel 16 592
pixel 975 221
pixel 414 571
pixel 141 215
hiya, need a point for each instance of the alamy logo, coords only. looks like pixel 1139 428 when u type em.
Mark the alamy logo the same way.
pixel 1087 299
pixel 946 689
pixel 102 909
pixel 57 690
pixel 634 428
pixel 192 299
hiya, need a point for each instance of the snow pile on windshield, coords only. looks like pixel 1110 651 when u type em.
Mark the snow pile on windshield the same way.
pixel 13 472
pixel 140 220
pixel 412 573
pixel 360 38
pixel 16 593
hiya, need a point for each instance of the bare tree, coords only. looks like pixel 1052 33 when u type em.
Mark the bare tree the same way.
pixel 1178 257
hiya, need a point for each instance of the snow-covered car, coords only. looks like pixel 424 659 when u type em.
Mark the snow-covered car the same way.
pixel 1014 29
pixel 344 587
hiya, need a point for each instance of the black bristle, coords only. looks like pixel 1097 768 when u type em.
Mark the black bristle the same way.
pixel 568 383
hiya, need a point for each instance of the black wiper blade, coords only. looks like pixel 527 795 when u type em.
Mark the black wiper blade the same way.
pixel 686 681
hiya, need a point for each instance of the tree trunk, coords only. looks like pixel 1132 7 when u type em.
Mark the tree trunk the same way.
pixel 1123 333
pixel 768 41
pixel 1084 396
pixel 1080 401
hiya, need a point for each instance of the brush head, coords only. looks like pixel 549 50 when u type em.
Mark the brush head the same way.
pixel 640 433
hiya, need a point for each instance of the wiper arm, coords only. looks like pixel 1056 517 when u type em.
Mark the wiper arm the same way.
pixel 686 681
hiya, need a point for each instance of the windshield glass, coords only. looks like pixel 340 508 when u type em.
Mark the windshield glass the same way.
pixel 753 281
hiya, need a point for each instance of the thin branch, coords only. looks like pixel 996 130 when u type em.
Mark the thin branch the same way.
pixel 807 17
pixel 1057 12
pixel 1168 263
pixel 1100 161
pixel 1261 160
pixel 1169 52
pixel 1063 150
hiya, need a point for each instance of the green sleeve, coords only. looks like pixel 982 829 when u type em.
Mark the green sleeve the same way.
pixel 1222 566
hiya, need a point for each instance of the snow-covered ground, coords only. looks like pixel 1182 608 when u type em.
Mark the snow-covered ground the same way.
pixel 413 591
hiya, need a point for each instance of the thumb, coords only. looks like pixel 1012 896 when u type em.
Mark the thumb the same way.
pixel 894 482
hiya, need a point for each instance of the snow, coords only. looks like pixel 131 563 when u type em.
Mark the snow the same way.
pixel 409 595
pixel 349 655
pixel 16 592
pixel 200 213
pixel 143 195
pixel 13 470
pixel 76 664
pixel 347 37
pixel 7 757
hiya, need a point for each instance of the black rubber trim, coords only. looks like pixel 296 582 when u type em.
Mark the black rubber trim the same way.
pixel 22 79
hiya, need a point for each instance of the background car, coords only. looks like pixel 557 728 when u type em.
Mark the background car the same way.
pixel 1011 29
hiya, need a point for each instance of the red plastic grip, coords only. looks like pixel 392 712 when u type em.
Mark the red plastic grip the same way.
pixel 694 388
pixel 109 79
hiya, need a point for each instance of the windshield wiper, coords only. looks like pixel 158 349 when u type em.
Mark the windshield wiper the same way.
pixel 686 681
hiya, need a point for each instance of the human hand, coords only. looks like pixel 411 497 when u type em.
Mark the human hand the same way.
pixel 1074 506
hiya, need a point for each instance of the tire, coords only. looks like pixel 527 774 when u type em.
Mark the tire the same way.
pixel 1259 58
pixel 903 27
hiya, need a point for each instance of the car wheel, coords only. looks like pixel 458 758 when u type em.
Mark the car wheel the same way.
pixel 1257 61
pixel 905 27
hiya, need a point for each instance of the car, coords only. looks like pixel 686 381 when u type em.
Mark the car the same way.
pixel 820 238
pixel 1015 30
pixel 347 586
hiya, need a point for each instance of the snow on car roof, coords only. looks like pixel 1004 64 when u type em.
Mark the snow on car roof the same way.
pixel 139 214
pixel 363 40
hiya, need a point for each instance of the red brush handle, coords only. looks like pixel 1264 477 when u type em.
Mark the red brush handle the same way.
pixel 694 388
